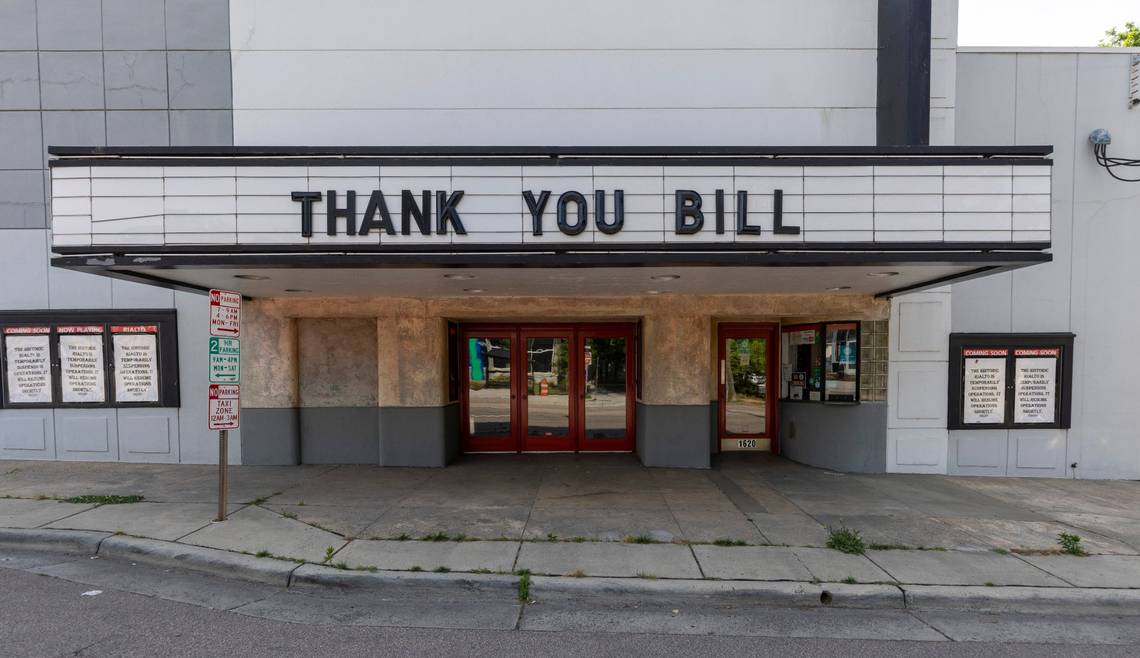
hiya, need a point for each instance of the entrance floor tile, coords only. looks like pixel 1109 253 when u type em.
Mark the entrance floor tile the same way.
pixel 793 529
pixel 912 530
pixel 26 513
pixel 608 559
pixel 498 556
pixel 602 524
pixel 751 563
pixel 1009 534
pixel 477 522
pixel 349 521
pixel 831 566
pixel 254 529
pixel 167 521
pixel 960 568
pixel 1092 571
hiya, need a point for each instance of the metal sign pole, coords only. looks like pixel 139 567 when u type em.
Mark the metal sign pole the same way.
pixel 223 472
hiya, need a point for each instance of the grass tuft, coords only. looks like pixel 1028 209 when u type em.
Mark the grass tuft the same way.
pixel 850 580
pixel 1071 544
pixel 329 550
pixel 640 539
pixel 577 573
pixel 889 547
pixel 442 569
pixel 416 567
pixel 725 541
pixel 845 540
pixel 436 536
pixel 524 586
pixel 112 499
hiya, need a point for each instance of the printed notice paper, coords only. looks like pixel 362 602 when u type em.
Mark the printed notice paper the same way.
pixel 136 368
pixel 29 365
pixel 81 367
pixel 1035 398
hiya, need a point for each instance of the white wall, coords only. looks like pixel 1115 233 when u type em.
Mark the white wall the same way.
pixel 1057 97
pixel 547 72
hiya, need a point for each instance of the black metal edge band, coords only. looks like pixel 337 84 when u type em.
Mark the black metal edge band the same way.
pixel 629 247
pixel 591 161
pixel 1038 150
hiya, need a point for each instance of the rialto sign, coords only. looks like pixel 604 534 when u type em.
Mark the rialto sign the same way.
pixel 570 212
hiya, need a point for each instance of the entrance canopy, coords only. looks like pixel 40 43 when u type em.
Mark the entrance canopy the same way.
pixel 279 221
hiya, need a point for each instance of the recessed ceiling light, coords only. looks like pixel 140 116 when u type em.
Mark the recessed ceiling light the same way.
pixel 251 277
pixel 297 290
pixel 474 290
pixel 665 277
pixel 459 277
pixel 881 275
pixel 838 288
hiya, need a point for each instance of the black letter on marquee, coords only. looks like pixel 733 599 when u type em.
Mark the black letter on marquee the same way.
pixel 688 204
pixel 778 214
pixel 720 212
pixel 377 204
pixel 409 209
pixel 536 209
pixel 742 225
pixel 600 211
pixel 348 212
pixel 445 212
pixel 307 199
pixel 580 203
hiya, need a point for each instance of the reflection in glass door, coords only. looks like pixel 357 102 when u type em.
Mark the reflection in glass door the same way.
pixel 746 394
pixel 547 392
pixel 606 400
pixel 490 392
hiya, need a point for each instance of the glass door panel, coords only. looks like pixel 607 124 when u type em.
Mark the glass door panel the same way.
pixel 490 393
pixel 746 383
pixel 605 399
pixel 547 391
pixel 746 386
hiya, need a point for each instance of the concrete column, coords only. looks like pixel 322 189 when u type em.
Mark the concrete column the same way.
pixel 674 420
pixel 270 425
pixel 419 426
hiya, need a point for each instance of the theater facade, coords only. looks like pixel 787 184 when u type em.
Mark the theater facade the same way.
pixel 818 229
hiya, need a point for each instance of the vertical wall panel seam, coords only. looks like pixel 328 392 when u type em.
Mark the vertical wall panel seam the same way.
pixel 1072 256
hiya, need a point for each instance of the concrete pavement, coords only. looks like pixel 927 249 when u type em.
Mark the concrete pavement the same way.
pixel 573 517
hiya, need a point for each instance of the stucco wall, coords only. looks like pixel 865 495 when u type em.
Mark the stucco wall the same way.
pixel 1057 97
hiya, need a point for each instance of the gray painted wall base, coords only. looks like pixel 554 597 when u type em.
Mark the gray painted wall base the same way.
pixel 271 437
pixel 419 436
pixel 673 436
pixel 849 438
pixel 340 435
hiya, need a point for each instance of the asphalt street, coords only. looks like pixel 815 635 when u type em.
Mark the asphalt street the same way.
pixel 143 611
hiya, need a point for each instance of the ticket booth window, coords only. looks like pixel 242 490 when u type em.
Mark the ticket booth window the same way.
pixel 820 362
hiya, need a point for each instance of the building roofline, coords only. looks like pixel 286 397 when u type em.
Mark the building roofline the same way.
pixel 1096 50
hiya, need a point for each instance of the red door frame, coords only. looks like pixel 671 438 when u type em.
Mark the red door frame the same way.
pixel 602 330
pixel 566 442
pixel 516 440
pixel 771 332
pixel 508 442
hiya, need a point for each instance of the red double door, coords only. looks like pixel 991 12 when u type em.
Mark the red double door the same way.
pixel 547 388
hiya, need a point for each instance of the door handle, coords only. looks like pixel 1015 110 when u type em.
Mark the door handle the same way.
pixel 722 372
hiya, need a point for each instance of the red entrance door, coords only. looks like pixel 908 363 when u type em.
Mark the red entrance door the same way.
pixel 547 388
pixel 746 386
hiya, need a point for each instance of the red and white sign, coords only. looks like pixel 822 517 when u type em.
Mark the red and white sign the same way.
pixel 225 313
pixel 224 406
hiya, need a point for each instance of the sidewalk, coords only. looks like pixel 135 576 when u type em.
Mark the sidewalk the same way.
pixel 759 519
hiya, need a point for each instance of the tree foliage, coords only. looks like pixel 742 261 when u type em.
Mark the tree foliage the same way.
pixel 1129 37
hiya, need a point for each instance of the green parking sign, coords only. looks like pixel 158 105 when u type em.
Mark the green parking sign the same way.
pixel 225 360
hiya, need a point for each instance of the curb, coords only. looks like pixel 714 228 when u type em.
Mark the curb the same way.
pixel 1027 600
pixel 1010 599
pixel 198 558
pixel 794 594
pixel 315 575
pixel 73 542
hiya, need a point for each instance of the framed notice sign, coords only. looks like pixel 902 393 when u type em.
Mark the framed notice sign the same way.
pixel 1011 381
pixel 27 366
pixel 136 363
pixel 82 375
